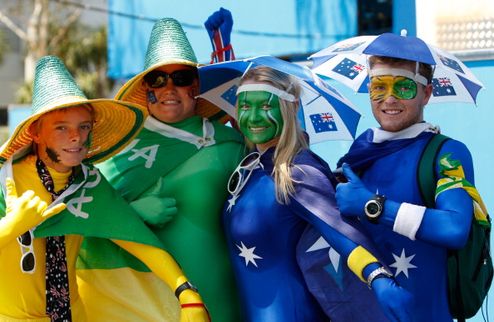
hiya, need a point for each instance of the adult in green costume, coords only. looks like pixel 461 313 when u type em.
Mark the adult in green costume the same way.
pixel 175 175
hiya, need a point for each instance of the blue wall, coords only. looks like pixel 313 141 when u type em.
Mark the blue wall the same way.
pixel 260 27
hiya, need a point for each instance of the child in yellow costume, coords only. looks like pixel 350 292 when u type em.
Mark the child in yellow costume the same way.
pixel 52 197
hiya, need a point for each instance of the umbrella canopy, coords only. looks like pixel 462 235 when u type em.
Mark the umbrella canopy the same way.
pixel 325 113
pixel 346 61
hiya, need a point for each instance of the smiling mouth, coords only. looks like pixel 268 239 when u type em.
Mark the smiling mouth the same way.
pixel 73 150
pixel 170 102
pixel 391 112
pixel 257 129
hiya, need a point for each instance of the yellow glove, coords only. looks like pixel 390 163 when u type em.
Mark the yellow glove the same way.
pixel 193 308
pixel 23 213
pixel 166 268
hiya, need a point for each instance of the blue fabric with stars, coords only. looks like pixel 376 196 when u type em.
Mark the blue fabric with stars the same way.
pixel 418 266
pixel 262 237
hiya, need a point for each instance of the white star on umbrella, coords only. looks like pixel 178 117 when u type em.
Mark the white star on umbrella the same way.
pixel 248 254
pixel 402 263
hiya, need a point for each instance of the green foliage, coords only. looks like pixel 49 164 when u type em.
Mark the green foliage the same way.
pixel 84 52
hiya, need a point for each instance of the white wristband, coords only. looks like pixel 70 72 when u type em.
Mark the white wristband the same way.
pixel 408 219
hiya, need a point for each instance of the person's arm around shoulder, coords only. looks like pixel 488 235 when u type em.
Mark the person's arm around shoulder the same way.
pixel 166 268
pixel 23 213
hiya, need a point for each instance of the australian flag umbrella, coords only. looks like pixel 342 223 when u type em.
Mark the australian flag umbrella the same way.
pixel 346 62
pixel 325 114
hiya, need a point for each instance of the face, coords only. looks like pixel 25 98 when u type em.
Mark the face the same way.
pixel 259 117
pixel 392 112
pixel 172 103
pixel 62 137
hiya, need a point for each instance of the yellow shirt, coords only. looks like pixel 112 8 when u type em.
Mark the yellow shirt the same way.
pixel 22 295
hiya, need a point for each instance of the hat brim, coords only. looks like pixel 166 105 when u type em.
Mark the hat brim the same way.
pixel 115 125
pixel 133 91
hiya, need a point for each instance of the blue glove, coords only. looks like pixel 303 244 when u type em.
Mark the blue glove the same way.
pixel 396 302
pixel 222 20
pixel 352 195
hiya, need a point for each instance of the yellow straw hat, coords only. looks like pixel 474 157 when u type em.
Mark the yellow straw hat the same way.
pixel 116 123
pixel 167 45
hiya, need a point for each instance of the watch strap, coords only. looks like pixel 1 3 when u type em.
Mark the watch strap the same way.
pixel 184 286
pixel 379 199
pixel 377 273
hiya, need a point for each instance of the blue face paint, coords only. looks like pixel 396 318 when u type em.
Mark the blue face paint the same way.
pixel 151 97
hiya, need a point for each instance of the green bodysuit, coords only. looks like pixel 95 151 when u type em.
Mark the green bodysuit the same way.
pixel 190 162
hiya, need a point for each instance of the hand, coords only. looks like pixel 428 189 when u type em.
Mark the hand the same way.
pixel 395 301
pixel 352 195
pixel 155 211
pixel 193 309
pixel 28 210
pixel 222 20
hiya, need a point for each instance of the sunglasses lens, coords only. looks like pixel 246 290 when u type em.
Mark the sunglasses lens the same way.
pixel 233 182
pixel 250 159
pixel 27 262
pixel 156 79
pixel 25 239
pixel 184 77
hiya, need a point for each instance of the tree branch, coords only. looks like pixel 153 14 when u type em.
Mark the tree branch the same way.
pixel 62 31
pixel 12 26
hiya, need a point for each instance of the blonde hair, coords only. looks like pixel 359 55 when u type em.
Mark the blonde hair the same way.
pixel 292 138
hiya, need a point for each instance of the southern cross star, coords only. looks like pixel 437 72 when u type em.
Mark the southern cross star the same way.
pixel 248 254
pixel 403 263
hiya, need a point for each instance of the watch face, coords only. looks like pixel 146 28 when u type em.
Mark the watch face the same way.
pixel 373 208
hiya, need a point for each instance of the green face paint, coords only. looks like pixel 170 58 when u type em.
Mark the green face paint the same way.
pixel 259 116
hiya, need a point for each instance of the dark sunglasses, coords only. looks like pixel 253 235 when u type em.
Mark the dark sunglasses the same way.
pixel 242 173
pixel 28 261
pixel 180 78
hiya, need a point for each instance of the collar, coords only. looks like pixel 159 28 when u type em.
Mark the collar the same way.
pixel 206 139
pixel 412 131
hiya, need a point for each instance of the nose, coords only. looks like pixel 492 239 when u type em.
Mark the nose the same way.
pixel 254 115
pixel 75 135
pixel 169 83
pixel 390 99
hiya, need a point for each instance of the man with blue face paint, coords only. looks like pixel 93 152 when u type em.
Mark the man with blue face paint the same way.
pixel 413 240
pixel 274 192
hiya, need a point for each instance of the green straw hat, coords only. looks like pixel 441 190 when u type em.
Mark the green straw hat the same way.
pixel 167 45
pixel 116 123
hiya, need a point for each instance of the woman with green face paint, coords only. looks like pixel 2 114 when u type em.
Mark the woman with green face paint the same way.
pixel 274 192
pixel 259 115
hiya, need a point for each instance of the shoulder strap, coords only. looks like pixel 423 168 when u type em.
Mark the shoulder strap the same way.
pixel 425 170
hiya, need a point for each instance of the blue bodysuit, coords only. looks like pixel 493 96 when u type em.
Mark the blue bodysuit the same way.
pixel 419 265
pixel 262 235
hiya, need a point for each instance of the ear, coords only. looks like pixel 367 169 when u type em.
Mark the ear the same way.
pixel 194 90
pixel 33 130
pixel 427 94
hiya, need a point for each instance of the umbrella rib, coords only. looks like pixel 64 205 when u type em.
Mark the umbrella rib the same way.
pixel 247 69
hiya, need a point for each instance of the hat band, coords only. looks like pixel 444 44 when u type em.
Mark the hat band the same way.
pixel 266 88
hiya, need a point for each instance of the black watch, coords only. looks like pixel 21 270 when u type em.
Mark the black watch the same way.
pixel 185 286
pixel 374 208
